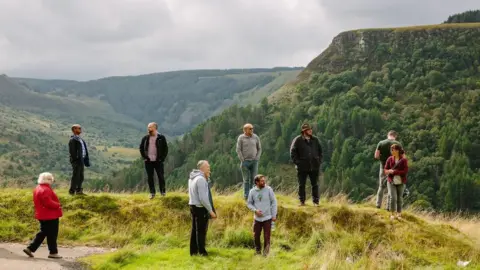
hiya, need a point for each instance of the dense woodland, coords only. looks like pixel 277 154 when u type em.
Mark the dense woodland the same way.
pixel 470 16
pixel 424 83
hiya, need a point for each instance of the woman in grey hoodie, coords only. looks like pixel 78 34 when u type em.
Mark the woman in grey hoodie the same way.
pixel 262 201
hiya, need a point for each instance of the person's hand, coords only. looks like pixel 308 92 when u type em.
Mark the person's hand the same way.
pixel 389 171
pixel 274 219
pixel 213 215
pixel 259 213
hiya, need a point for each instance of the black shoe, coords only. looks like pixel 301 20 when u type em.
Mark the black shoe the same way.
pixel 152 196
pixel 163 194
pixel 54 256
pixel 28 252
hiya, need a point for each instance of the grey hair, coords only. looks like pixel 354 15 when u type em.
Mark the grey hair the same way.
pixel 153 123
pixel 45 178
pixel 200 163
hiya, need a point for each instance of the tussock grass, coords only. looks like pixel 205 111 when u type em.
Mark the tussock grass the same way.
pixel 154 234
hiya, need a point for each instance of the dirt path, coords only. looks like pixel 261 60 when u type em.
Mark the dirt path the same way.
pixel 12 257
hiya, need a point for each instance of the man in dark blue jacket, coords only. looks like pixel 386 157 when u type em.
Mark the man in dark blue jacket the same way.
pixel 78 159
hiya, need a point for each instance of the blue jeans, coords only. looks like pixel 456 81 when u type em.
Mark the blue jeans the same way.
pixel 249 171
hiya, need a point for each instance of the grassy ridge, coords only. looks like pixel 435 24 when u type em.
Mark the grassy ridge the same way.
pixel 154 234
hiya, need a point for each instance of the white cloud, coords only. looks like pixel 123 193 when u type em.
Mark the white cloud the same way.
pixel 91 39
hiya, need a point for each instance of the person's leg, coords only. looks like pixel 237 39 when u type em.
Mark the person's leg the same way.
pixel 314 181
pixel 392 192
pixel 81 169
pixel 193 233
pixel 267 228
pixel 257 228
pixel 37 241
pixel 400 190
pixel 245 167
pixel 302 179
pixel 52 235
pixel 202 223
pixel 75 178
pixel 381 187
pixel 253 172
pixel 149 168
pixel 160 174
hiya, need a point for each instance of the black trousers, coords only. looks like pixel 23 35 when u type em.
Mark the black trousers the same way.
pixel 48 229
pixel 150 167
pixel 198 235
pixel 77 177
pixel 302 180
pixel 266 226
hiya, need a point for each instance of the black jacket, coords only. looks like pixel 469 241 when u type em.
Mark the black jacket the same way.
pixel 306 155
pixel 162 148
pixel 75 150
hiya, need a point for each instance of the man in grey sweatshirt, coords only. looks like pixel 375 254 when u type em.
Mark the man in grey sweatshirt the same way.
pixel 201 207
pixel 249 150
pixel 262 201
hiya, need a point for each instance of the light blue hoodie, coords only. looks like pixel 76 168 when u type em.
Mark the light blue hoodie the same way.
pixel 263 200
pixel 198 190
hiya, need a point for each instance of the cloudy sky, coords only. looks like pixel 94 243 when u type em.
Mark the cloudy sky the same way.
pixel 90 39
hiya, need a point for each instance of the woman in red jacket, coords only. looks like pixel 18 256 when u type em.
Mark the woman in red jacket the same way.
pixel 396 169
pixel 48 211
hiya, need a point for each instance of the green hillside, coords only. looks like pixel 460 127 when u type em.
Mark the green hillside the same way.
pixel 422 81
pixel 177 100
pixel 154 234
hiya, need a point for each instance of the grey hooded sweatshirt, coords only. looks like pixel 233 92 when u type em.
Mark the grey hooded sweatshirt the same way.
pixel 198 191
pixel 263 200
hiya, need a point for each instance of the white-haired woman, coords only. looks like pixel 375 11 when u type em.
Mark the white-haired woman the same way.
pixel 48 211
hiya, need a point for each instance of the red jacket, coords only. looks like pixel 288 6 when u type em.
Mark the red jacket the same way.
pixel 47 205
pixel 401 169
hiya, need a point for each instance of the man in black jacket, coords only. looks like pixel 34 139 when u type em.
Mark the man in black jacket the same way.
pixel 79 160
pixel 306 154
pixel 154 150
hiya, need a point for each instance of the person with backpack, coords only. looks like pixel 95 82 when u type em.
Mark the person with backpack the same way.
pixel 262 201
pixel 396 169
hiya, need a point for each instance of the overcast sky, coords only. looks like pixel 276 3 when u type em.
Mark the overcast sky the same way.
pixel 90 39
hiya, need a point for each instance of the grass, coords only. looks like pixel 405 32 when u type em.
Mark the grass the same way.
pixel 154 234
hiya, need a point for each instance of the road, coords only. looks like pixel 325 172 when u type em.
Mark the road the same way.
pixel 13 258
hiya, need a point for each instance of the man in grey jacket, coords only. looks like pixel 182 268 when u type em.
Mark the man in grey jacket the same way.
pixel 201 207
pixel 249 150
pixel 262 201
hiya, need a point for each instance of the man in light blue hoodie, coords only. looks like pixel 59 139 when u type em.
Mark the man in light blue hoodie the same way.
pixel 262 201
pixel 201 207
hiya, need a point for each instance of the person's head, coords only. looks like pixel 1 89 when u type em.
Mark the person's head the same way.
pixel 248 129
pixel 76 129
pixel 307 130
pixel 397 150
pixel 204 167
pixel 260 181
pixel 152 128
pixel 392 135
pixel 45 178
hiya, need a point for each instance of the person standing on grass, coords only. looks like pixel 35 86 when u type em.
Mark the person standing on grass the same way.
pixel 79 159
pixel 47 211
pixel 382 153
pixel 306 154
pixel 201 207
pixel 154 150
pixel 396 169
pixel 262 201
pixel 249 150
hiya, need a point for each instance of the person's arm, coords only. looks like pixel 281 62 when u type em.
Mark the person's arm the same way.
pixel 142 149
pixel 202 188
pixel 294 151
pixel 320 153
pixel 259 149
pixel 273 205
pixel 250 202
pixel 164 148
pixel 239 148
pixel 403 170
pixel 48 202
pixel 388 166
pixel 72 149
pixel 377 152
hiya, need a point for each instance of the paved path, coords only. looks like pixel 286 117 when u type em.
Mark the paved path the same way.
pixel 13 258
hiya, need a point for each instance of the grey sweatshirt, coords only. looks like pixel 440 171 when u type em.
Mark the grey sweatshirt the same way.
pixel 249 147
pixel 263 200
pixel 198 190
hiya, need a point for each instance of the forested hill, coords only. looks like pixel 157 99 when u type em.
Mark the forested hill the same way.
pixel 422 81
